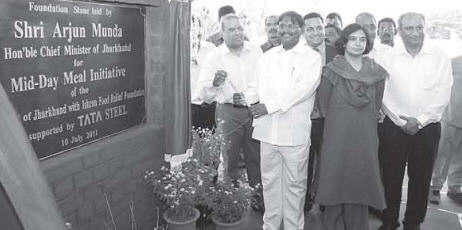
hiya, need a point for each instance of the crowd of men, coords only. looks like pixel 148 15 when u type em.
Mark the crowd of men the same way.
pixel 328 114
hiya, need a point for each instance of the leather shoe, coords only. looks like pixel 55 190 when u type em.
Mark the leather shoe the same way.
pixel 456 196
pixel 388 227
pixel 411 227
pixel 434 197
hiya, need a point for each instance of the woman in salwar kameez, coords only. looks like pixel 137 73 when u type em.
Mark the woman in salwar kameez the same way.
pixel 351 96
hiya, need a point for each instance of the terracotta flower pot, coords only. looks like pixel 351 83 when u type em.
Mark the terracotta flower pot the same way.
pixel 228 226
pixel 183 225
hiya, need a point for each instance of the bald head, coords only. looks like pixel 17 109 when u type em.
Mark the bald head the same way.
pixel 368 22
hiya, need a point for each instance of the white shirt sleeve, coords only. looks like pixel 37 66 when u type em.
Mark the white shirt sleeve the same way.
pixel 205 87
pixel 434 109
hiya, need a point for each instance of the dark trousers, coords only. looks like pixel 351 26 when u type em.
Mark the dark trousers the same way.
pixel 235 123
pixel 317 128
pixel 203 116
pixel 419 152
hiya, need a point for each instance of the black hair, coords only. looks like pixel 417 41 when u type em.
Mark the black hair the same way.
pixel 313 15
pixel 266 19
pixel 294 17
pixel 390 20
pixel 224 10
pixel 334 15
pixel 343 40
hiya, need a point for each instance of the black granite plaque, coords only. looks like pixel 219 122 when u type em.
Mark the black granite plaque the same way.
pixel 75 71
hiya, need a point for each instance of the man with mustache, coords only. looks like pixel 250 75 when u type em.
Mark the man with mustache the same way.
pixel 415 97
pixel 271 29
pixel 226 75
pixel 387 31
pixel 313 32
pixel 288 76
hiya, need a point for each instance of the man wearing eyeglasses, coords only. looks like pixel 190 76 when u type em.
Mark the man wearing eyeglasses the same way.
pixel 416 95
pixel 288 76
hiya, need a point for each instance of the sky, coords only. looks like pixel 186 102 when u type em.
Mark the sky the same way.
pixel 347 8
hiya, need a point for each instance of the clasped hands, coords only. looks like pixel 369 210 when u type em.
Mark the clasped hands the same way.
pixel 257 110
pixel 412 125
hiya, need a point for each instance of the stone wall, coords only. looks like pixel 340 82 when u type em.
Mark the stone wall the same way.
pixel 114 167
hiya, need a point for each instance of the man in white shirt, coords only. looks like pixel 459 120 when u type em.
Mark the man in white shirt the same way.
pixel 415 97
pixel 217 38
pixel 225 77
pixel 202 114
pixel 288 76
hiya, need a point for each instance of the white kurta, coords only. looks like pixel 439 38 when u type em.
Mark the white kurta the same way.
pixel 287 82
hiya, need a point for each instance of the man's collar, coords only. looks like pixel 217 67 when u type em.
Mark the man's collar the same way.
pixel 223 48
pixel 426 49
pixel 321 47
pixel 297 48
pixel 271 43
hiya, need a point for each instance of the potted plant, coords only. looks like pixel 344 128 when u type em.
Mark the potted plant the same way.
pixel 207 146
pixel 181 190
pixel 229 203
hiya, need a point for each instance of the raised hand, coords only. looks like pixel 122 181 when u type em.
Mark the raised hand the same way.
pixel 220 77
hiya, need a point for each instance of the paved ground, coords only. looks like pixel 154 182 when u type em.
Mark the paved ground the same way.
pixel 446 216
